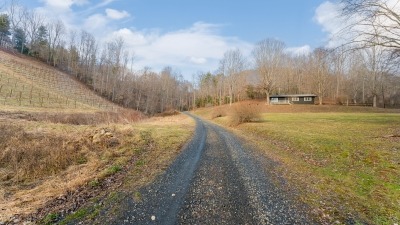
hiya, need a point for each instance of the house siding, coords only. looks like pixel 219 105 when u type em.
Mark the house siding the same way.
pixel 290 99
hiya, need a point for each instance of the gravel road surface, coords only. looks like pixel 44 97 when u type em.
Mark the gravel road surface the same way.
pixel 215 180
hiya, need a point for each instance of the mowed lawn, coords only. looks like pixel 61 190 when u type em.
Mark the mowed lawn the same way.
pixel 354 156
pixel 344 163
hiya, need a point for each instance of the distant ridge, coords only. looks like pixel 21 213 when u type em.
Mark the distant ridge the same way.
pixel 27 82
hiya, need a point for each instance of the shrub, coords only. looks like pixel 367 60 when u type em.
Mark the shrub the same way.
pixel 218 112
pixel 244 113
pixel 170 112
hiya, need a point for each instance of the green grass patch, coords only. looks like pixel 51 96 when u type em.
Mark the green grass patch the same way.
pixel 51 218
pixel 79 214
pixel 94 183
pixel 140 163
pixel 114 169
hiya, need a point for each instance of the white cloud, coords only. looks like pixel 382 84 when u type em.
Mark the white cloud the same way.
pixel 198 60
pixel 98 23
pixel 296 51
pixel 104 3
pixel 197 48
pixel 116 15
pixel 94 22
pixel 328 16
pixel 63 5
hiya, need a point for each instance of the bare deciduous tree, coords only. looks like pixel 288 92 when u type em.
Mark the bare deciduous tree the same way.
pixel 268 55
pixel 55 34
pixel 33 21
pixel 377 63
pixel 232 66
pixel 319 65
pixel 374 22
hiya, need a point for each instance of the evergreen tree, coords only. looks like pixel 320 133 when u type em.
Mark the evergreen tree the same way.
pixel 19 38
pixel 4 27
pixel 40 44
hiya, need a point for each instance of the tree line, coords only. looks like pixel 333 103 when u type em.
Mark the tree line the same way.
pixel 363 70
pixel 337 76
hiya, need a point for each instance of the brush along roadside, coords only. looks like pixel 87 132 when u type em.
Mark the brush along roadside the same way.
pixel 49 170
pixel 346 166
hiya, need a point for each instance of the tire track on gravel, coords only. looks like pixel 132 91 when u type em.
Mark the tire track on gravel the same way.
pixel 215 180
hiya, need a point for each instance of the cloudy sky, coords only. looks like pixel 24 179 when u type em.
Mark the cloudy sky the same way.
pixel 192 36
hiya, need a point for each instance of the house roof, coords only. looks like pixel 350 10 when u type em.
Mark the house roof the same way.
pixel 294 95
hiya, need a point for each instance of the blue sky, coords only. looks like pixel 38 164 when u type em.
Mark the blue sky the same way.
pixel 289 20
pixel 191 36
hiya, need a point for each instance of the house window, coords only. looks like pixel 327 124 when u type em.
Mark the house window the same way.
pixel 274 99
pixel 295 99
pixel 307 99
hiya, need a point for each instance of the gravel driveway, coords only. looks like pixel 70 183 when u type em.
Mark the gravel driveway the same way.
pixel 215 180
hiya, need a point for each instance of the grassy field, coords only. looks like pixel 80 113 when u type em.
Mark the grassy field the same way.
pixel 345 163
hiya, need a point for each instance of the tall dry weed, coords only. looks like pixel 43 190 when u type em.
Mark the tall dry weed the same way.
pixel 29 155
pixel 103 117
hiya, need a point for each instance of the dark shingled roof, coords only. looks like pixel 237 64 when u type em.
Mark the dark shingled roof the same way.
pixel 295 95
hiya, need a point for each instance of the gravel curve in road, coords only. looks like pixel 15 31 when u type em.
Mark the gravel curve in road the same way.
pixel 215 180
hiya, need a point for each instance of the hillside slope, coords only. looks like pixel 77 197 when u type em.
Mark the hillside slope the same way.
pixel 29 83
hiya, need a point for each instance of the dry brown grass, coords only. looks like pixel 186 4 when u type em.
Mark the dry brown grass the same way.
pixel 76 117
pixel 40 160
pixel 218 111
pixel 27 156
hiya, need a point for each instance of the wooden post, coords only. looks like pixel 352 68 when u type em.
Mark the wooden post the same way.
pixel 20 98
pixel 30 96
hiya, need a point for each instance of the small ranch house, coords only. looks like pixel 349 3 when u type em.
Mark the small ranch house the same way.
pixel 292 99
